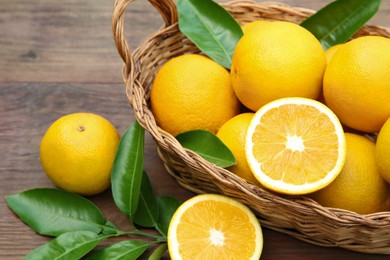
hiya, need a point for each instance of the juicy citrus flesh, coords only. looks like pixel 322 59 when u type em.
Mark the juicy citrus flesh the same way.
pixel 191 92
pixel 232 134
pixel 359 187
pixel 77 152
pixel 295 145
pixel 211 226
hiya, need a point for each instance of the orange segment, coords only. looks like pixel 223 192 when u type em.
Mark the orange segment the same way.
pixel 211 226
pixel 295 145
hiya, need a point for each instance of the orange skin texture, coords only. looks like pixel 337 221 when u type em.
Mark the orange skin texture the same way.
pixel 193 92
pixel 357 83
pixel 77 153
pixel 275 60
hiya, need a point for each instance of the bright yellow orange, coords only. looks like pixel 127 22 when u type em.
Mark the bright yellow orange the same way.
pixel 192 92
pixel 331 51
pixel 249 26
pixel 275 60
pixel 232 134
pixel 77 152
pixel 359 187
pixel 211 226
pixel 357 83
pixel 295 145
pixel 382 151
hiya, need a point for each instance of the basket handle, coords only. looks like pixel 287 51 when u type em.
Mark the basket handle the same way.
pixel 166 8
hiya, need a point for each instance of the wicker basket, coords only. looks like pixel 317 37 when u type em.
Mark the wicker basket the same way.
pixel 297 216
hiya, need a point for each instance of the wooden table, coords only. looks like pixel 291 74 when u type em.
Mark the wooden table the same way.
pixel 58 57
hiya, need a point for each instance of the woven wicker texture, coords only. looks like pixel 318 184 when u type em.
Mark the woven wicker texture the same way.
pixel 296 216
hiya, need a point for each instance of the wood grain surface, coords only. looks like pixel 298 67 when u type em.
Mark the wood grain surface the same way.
pixel 58 57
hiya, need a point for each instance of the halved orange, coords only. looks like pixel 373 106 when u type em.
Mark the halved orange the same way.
pixel 295 145
pixel 211 226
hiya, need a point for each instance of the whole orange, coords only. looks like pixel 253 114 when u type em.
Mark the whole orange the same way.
pixel 382 151
pixel 77 152
pixel 232 134
pixel 191 92
pixel 249 26
pixel 331 51
pixel 276 59
pixel 357 83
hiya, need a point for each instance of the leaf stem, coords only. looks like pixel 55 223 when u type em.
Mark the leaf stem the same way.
pixel 145 234
pixel 112 230
pixel 160 231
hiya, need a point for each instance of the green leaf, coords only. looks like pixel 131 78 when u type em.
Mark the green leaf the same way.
pixel 147 212
pixel 207 145
pixel 158 252
pixel 339 20
pixel 71 245
pixel 127 170
pixel 126 250
pixel 210 27
pixel 168 207
pixel 53 211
